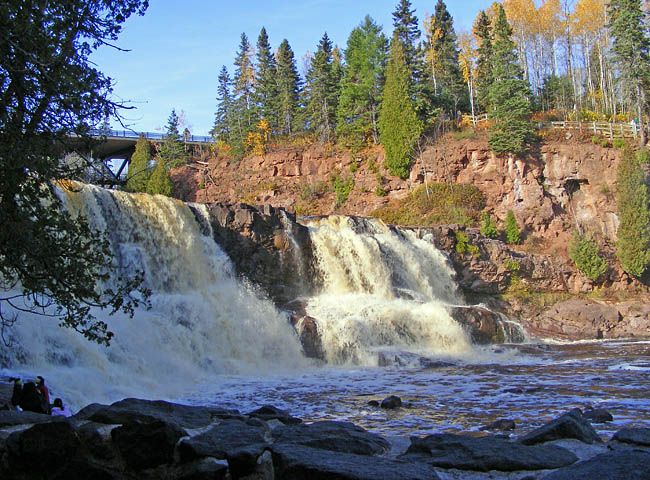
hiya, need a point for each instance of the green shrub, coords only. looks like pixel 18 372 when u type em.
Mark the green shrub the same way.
pixel 512 265
pixel 584 253
pixel 513 234
pixel 463 246
pixel 618 143
pixel 380 191
pixel 354 166
pixel 443 204
pixel 595 140
pixel 489 227
pixel 604 143
pixel 342 187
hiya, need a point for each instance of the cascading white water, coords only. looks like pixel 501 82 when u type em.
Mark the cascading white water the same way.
pixel 383 290
pixel 203 320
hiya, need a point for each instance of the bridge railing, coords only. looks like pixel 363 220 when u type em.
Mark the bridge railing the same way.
pixel 148 135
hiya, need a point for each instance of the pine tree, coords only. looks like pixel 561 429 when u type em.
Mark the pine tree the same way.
pixel 288 86
pixel 171 150
pixel 628 25
pixel 509 95
pixel 513 234
pixel 360 97
pixel 139 166
pixel 243 89
pixel 442 59
pixel 160 183
pixel 265 81
pixel 399 126
pixel 222 120
pixel 633 247
pixel 321 92
pixel 483 32
pixel 406 29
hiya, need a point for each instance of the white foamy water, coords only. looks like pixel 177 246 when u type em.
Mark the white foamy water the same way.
pixel 203 321
pixel 383 290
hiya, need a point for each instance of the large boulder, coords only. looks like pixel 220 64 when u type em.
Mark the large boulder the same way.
pixel 334 436
pixel 486 326
pixel 147 445
pixel 146 411
pixel 10 418
pixel 570 425
pixel 486 453
pixel 45 447
pixel 619 465
pixel 269 412
pixel 292 462
pixel 633 436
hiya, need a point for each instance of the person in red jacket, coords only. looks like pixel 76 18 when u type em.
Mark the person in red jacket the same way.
pixel 42 389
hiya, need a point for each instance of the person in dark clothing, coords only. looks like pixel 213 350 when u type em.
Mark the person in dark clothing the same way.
pixel 32 401
pixel 17 392
pixel 40 386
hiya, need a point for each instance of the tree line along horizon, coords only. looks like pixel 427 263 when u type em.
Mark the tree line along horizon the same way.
pixel 520 62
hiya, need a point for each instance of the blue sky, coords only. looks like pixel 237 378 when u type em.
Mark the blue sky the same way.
pixel 178 47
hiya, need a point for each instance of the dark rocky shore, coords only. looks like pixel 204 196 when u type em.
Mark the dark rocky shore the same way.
pixel 142 439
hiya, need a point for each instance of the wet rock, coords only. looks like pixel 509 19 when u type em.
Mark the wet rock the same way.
pixel 147 445
pixel 295 461
pixel 88 411
pixel 269 412
pixel 146 411
pixel 45 447
pixel 307 329
pixel 96 439
pixel 335 436
pixel 633 436
pixel 569 425
pixel 597 415
pixel 391 402
pixel 373 403
pixel 9 418
pixel 621 465
pixel 502 424
pixel 483 325
pixel 231 439
pixel 205 469
pixel 516 390
pixel 486 453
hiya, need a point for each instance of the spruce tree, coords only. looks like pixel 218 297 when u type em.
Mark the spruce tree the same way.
pixel 288 86
pixel 633 247
pixel 243 106
pixel 360 93
pixel 483 31
pixel 139 166
pixel 171 150
pixel 160 183
pixel 442 59
pixel 629 28
pixel 406 29
pixel 399 126
pixel 513 234
pixel 509 95
pixel 222 119
pixel 265 81
pixel 321 92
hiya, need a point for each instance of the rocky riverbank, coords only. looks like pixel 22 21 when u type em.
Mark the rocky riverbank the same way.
pixel 140 439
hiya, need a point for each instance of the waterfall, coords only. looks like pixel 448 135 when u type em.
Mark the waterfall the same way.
pixel 384 290
pixel 203 321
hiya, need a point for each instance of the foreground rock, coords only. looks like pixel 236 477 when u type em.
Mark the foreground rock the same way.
pixel 486 453
pixel 133 439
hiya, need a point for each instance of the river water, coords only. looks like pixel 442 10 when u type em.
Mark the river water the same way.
pixel 212 339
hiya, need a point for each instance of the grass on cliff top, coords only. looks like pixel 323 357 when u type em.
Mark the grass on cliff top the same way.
pixel 434 204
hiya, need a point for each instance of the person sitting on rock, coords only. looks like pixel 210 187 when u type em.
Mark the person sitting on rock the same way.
pixel 31 400
pixel 17 392
pixel 59 409
pixel 42 389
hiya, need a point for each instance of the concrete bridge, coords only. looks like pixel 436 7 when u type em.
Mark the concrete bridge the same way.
pixel 120 144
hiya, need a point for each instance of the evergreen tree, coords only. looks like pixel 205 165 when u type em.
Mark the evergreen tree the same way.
pixel 583 251
pixel 321 92
pixel 265 81
pixel 406 29
pixel 243 89
pixel 513 235
pixel 160 183
pixel 222 119
pixel 489 228
pixel 509 95
pixel 442 58
pixel 288 86
pixel 139 166
pixel 360 93
pixel 399 126
pixel 483 31
pixel 171 150
pixel 629 28
pixel 633 247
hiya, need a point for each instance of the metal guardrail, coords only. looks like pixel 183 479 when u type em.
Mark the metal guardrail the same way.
pixel 148 135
